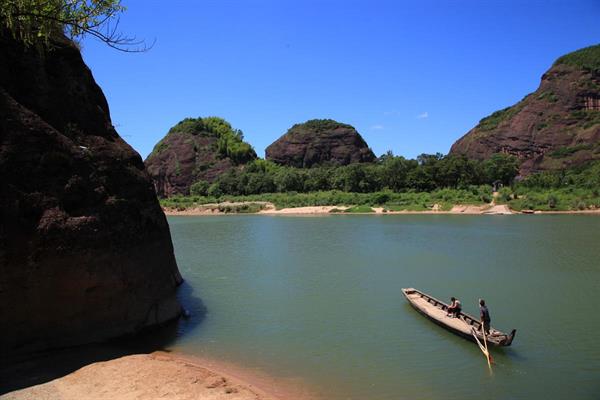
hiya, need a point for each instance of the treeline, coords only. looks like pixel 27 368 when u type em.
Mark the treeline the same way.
pixel 426 173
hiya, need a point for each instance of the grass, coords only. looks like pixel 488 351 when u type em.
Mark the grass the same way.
pixel 563 152
pixel 587 58
pixel 519 198
pixel 492 121
pixel 359 209
pixel 410 200
pixel 555 199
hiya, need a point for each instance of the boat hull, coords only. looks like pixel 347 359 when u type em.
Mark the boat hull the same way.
pixel 464 326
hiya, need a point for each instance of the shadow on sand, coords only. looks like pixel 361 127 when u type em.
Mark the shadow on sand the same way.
pixel 22 371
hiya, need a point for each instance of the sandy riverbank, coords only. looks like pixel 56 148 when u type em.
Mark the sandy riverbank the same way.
pixel 162 375
pixel 270 209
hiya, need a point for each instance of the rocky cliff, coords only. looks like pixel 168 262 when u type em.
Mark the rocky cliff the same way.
pixel 318 142
pixel 85 250
pixel 195 150
pixel 555 127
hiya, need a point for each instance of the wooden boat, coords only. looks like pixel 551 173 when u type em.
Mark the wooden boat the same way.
pixel 464 325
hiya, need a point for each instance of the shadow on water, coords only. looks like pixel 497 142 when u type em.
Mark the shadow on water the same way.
pixel 18 372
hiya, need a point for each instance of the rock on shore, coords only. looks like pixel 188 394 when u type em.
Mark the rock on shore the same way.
pixel 85 249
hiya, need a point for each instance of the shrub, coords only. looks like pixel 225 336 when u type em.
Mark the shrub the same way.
pixel 199 188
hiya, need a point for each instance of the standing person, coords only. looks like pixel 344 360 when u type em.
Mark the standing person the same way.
pixel 484 316
pixel 454 308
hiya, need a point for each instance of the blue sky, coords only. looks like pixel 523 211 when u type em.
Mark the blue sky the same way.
pixel 412 77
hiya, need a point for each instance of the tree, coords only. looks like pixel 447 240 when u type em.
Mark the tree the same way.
pixel 35 22
pixel 394 172
pixel 199 188
pixel 501 167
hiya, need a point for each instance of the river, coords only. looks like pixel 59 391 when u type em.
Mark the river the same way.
pixel 317 299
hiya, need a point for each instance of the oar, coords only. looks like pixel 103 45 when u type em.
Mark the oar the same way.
pixel 483 349
pixel 487 353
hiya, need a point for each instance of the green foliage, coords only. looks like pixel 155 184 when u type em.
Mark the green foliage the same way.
pixel 245 208
pixel 159 148
pixel 549 96
pixel 36 22
pixel 319 125
pixel 230 142
pixel 491 122
pixel 572 189
pixel 410 200
pixel 359 209
pixel 501 167
pixel 586 118
pixel 587 58
pixel 389 175
pixel 563 152
pixel 199 188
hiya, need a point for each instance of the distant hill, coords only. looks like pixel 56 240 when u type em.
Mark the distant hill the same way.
pixel 319 142
pixel 555 127
pixel 196 149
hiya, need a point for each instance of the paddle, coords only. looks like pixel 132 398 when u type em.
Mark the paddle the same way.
pixel 487 352
pixel 483 349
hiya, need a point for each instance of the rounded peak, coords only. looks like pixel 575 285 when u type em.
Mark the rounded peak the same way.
pixel 215 125
pixel 587 58
pixel 320 125
pixel 319 142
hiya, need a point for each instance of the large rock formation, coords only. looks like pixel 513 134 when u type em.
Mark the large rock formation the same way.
pixel 317 142
pixel 85 250
pixel 555 127
pixel 195 150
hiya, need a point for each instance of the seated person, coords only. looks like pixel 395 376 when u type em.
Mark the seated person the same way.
pixel 454 308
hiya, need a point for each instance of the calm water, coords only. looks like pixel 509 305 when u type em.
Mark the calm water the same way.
pixel 319 298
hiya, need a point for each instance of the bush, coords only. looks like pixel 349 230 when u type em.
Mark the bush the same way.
pixel 199 188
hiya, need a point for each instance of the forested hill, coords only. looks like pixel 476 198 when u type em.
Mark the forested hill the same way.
pixel 196 149
pixel 555 127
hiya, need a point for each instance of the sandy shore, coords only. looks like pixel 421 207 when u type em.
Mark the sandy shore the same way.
pixel 165 376
pixel 270 209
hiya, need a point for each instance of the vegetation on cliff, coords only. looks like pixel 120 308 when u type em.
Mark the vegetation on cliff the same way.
pixel 229 142
pixel 587 58
pixel 40 22
pixel 554 128
pixel 196 150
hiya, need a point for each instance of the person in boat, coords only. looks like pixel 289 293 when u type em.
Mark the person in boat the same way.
pixel 484 316
pixel 454 309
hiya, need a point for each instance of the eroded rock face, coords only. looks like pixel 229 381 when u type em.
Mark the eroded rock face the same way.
pixel 555 127
pixel 85 250
pixel 196 150
pixel 317 142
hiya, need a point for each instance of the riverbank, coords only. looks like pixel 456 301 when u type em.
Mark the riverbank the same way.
pixel 162 375
pixel 266 208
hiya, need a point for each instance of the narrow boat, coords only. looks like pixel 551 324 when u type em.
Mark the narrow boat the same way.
pixel 464 325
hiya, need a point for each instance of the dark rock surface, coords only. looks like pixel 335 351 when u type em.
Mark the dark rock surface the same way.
pixel 193 151
pixel 85 249
pixel 318 142
pixel 555 127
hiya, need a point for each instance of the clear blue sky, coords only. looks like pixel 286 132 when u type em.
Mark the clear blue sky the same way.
pixel 412 77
